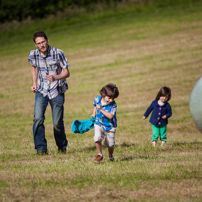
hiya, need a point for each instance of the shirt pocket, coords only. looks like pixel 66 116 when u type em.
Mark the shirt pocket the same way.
pixel 52 64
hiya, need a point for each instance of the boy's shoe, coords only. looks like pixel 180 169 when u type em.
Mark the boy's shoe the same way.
pixel 111 158
pixel 154 143
pixel 163 143
pixel 98 159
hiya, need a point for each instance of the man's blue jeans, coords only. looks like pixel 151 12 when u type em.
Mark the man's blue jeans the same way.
pixel 41 104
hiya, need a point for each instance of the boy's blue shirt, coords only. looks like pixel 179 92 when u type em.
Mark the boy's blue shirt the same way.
pixel 157 113
pixel 101 119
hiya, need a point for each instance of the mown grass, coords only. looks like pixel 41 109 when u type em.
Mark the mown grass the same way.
pixel 140 52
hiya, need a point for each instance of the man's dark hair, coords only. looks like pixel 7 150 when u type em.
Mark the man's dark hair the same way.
pixel 109 90
pixel 164 91
pixel 39 34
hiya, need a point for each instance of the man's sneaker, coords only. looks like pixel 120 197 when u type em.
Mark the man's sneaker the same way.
pixel 154 143
pixel 111 158
pixel 163 143
pixel 98 159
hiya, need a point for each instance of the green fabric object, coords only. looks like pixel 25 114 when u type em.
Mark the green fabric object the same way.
pixel 159 131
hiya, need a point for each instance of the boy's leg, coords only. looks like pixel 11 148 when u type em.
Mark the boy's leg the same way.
pixel 163 133
pixel 111 151
pixel 110 142
pixel 99 147
pixel 156 133
pixel 99 157
pixel 98 137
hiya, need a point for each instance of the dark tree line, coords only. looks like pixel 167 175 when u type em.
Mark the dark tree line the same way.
pixel 22 9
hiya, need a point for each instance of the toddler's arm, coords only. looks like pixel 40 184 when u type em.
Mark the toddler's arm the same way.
pixel 148 111
pixel 169 113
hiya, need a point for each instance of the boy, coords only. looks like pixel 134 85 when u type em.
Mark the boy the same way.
pixel 104 113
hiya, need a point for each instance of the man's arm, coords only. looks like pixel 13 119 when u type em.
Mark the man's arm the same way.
pixel 34 79
pixel 65 74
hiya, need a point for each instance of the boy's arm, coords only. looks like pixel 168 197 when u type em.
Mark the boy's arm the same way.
pixel 94 112
pixel 107 114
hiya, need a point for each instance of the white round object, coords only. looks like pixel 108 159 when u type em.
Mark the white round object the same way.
pixel 195 104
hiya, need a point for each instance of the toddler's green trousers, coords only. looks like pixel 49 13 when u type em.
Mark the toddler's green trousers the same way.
pixel 159 131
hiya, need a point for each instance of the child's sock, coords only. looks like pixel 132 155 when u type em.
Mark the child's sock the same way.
pixel 154 143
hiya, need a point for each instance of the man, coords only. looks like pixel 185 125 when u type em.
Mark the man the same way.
pixel 50 66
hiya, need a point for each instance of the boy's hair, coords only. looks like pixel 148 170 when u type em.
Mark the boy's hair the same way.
pixel 109 90
pixel 39 34
pixel 164 91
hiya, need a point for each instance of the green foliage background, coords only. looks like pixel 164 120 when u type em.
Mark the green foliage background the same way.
pixel 36 9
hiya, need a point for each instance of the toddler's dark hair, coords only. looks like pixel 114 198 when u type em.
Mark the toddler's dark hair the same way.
pixel 39 34
pixel 164 91
pixel 109 90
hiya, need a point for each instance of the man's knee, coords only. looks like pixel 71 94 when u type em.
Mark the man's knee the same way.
pixel 38 120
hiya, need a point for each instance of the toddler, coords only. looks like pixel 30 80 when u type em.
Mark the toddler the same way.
pixel 105 120
pixel 159 118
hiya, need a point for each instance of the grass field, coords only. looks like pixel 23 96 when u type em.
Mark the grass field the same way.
pixel 138 51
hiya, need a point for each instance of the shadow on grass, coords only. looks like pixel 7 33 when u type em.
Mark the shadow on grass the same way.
pixel 93 148
pixel 124 144
pixel 130 158
pixel 146 151
pixel 86 149
pixel 183 146
pixel 186 143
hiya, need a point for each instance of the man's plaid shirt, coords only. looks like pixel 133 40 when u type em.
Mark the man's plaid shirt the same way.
pixel 52 64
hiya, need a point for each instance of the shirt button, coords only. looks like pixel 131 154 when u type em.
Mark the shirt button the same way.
pixel 158 118
pixel 159 123
pixel 159 113
pixel 160 108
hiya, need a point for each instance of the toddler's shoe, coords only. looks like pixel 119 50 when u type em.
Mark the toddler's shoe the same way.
pixel 98 159
pixel 111 158
pixel 163 143
pixel 154 143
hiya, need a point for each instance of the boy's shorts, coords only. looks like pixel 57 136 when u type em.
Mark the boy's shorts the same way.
pixel 109 135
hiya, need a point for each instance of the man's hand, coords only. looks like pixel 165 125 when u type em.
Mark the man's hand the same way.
pixel 33 88
pixel 143 117
pixel 50 78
